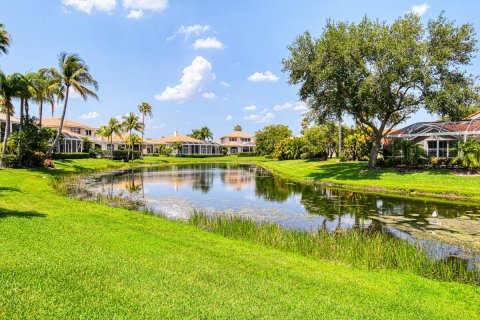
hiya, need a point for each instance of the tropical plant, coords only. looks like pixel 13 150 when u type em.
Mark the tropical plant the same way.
pixel 72 73
pixel 237 128
pixel 289 148
pixel 5 39
pixel 356 144
pixel 131 122
pixel 112 128
pixel 29 145
pixel 382 73
pixel 203 133
pixel 8 89
pixel 177 146
pixel 469 156
pixel 266 138
pixel 45 90
pixel 145 110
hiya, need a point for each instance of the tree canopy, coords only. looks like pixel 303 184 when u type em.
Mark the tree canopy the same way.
pixel 381 73
pixel 266 138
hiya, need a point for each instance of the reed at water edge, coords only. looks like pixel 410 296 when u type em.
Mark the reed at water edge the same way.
pixel 356 247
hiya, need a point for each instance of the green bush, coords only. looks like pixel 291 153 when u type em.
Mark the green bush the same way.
pixel 124 155
pixel 246 154
pixel 9 161
pixel 72 155
pixel 289 148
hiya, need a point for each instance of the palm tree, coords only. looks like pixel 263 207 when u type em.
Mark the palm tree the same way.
pixel 112 128
pixel 206 134
pixel 8 90
pixel 45 90
pixel 131 122
pixel 72 73
pixel 5 40
pixel 146 111
pixel 237 128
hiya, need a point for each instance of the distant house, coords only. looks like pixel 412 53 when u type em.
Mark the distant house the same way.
pixel 190 146
pixel 439 138
pixel 74 135
pixel 14 122
pixel 238 141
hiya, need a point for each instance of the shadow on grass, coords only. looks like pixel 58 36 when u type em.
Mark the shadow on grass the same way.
pixel 5 213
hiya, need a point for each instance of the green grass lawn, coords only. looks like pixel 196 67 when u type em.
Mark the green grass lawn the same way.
pixel 63 258
pixel 432 183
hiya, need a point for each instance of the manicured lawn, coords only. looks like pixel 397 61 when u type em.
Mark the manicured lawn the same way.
pixel 435 182
pixel 63 258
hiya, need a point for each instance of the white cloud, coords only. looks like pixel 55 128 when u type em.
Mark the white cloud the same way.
pixel 90 115
pixel 87 6
pixel 194 78
pixel 420 9
pixel 228 118
pixel 208 43
pixel 209 95
pixel 260 118
pixel 263 76
pixel 250 108
pixel 135 14
pixel 136 8
pixel 297 106
pixel 224 84
pixel 187 31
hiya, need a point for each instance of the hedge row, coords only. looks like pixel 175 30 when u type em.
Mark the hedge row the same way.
pixel 246 154
pixel 72 155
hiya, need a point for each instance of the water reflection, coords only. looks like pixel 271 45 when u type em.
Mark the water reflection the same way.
pixel 251 191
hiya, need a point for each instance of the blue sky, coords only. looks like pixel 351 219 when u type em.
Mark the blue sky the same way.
pixel 214 63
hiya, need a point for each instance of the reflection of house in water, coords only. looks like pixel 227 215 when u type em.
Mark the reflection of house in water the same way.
pixel 237 178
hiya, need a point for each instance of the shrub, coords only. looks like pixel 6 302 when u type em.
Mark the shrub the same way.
pixel 9 160
pixel 289 148
pixel 72 155
pixel 470 154
pixel 124 155
pixel 48 163
pixel 246 154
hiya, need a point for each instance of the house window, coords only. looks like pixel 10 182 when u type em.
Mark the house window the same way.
pixel 185 149
pixel 246 139
pixel 442 149
pixel 432 149
pixel 75 130
pixel 233 139
pixel 88 132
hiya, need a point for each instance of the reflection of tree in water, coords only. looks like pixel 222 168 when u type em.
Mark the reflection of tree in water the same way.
pixel 272 188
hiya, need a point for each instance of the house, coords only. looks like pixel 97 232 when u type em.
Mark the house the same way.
pixel 74 135
pixel 238 141
pixel 439 138
pixel 14 122
pixel 190 146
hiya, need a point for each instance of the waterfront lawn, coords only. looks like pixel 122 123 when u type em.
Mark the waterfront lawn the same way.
pixel 435 182
pixel 63 258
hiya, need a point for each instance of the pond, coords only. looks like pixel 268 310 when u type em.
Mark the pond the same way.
pixel 250 191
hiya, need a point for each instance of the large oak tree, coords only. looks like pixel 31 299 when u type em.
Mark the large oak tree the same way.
pixel 382 73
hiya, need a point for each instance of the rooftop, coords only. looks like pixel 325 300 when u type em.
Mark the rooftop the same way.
pixel 55 122
pixel 238 134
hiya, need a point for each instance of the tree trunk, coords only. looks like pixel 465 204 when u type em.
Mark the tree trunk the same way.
pixel 128 147
pixel 21 115
pixel 57 137
pixel 26 109
pixel 372 162
pixel 141 142
pixel 7 131
pixel 339 138
pixel 40 113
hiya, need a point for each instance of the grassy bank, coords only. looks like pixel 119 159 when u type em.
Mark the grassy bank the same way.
pixel 358 248
pixel 63 258
pixel 436 183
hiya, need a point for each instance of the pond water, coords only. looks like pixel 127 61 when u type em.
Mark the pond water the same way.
pixel 247 190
